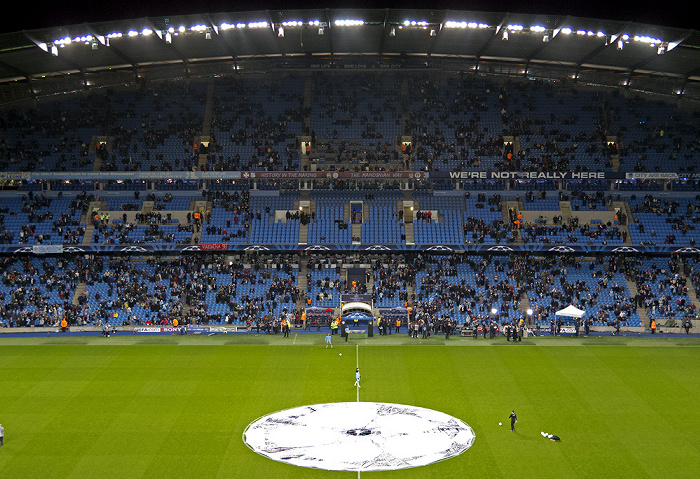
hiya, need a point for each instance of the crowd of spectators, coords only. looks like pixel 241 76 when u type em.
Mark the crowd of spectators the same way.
pixel 452 289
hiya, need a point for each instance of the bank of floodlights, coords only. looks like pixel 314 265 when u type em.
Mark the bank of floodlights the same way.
pixel 547 34
pixel 463 25
pixel 348 23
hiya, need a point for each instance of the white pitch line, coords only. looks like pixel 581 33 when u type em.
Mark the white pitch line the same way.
pixel 357 365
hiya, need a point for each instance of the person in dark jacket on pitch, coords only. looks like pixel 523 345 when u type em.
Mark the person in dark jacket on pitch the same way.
pixel 513 420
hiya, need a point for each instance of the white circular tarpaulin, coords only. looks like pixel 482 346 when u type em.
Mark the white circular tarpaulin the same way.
pixel 359 436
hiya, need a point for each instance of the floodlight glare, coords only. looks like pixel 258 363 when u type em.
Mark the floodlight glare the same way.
pixel 566 31
pixel 349 23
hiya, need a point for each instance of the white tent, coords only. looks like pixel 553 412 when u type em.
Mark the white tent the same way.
pixel 571 311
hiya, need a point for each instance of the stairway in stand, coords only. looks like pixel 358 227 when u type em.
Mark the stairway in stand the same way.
pixel 80 289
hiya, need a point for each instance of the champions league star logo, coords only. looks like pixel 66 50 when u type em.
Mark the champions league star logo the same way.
pixel 439 248
pixel 73 249
pixel 688 250
pixel 134 249
pixel 257 248
pixel 625 249
pixel 500 248
pixel 377 247
pixel 359 436
pixel 317 247
pixel 562 249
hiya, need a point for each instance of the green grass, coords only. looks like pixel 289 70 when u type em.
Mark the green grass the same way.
pixel 176 406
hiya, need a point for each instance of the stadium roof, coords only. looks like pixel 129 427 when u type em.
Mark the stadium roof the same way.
pixel 660 59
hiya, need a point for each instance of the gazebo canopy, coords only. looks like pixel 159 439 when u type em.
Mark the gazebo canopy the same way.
pixel 571 311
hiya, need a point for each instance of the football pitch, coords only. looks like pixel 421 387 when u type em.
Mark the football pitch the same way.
pixel 176 406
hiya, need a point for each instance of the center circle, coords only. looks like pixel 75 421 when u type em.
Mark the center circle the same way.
pixel 358 436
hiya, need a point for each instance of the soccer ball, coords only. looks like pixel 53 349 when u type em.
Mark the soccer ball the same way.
pixel 340 354
pixel 500 424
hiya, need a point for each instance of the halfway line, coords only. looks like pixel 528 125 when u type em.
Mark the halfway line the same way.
pixel 357 365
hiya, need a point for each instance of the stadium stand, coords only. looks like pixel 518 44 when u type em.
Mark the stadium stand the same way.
pixel 311 176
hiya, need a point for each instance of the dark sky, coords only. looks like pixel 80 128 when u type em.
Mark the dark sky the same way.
pixel 49 13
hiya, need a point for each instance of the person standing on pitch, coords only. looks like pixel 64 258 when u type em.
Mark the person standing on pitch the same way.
pixel 357 377
pixel 328 341
pixel 513 420
pixel 2 435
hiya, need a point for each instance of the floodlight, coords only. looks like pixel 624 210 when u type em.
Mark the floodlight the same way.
pixel 280 32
